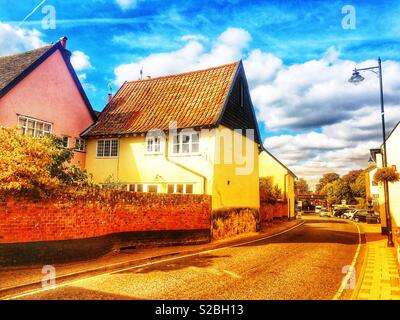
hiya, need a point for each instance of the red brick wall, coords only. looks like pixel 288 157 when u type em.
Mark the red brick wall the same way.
pixel 100 213
pixel 270 211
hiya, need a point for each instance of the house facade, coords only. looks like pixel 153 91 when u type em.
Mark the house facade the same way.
pixel 194 132
pixel 393 160
pixel 41 93
pixel 372 188
pixel 271 167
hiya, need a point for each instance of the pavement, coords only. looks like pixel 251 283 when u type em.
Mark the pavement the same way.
pixel 380 277
pixel 305 262
pixel 20 279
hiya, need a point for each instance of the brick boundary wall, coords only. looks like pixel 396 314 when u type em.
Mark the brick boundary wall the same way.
pixel 74 227
pixel 269 212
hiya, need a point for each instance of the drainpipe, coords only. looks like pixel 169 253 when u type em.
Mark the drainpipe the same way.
pixel 183 167
pixel 285 195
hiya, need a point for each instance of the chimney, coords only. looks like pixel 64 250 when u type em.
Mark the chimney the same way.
pixel 109 97
pixel 63 42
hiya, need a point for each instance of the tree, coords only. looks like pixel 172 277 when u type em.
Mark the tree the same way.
pixel 268 191
pixel 358 186
pixel 326 178
pixel 301 186
pixel 35 164
pixel 352 175
pixel 337 191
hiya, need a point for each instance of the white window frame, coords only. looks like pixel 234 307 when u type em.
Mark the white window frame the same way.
pixel 153 140
pixel 111 144
pixel 35 129
pixel 80 145
pixel 181 135
pixel 184 187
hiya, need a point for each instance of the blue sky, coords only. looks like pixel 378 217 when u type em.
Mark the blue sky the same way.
pixel 288 34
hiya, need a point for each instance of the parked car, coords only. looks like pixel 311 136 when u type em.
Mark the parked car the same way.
pixel 324 213
pixel 348 214
pixel 359 215
pixel 338 213
pixel 364 216
pixel 318 209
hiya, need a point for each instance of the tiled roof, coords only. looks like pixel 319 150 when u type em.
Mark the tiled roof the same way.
pixel 192 99
pixel 12 66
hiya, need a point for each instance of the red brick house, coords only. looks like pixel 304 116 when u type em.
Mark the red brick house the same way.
pixel 41 93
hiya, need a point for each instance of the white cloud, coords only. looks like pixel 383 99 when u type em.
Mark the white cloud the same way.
pixel 80 61
pixel 315 120
pixel 14 40
pixel 127 4
pixel 193 37
pixel 193 55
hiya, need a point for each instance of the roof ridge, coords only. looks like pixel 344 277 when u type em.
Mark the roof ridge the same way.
pixel 184 73
pixel 26 52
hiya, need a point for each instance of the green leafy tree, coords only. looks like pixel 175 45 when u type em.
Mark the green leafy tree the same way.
pixel 358 187
pixel 326 179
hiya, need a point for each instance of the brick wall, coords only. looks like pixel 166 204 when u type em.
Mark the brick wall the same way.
pixel 100 213
pixel 270 211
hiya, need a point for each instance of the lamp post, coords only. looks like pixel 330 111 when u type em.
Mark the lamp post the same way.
pixel 356 78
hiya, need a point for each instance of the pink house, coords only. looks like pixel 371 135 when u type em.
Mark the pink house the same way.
pixel 41 93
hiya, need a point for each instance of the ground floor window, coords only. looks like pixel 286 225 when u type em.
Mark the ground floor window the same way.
pixel 107 148
pixel 183 188
pixel 145 187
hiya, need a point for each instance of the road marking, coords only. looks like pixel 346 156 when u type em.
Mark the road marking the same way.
pixel 232 274
pixel 350 271
pixel 151 263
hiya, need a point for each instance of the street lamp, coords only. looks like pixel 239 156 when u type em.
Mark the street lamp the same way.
pixel 356 78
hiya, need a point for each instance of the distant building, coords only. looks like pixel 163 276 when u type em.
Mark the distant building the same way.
pixel 282 176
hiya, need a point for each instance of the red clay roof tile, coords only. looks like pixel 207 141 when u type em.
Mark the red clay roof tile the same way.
pixel 192 99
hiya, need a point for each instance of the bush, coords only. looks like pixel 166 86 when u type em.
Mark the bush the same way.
pixel 386 174
pixel 35 164
pixel 268 191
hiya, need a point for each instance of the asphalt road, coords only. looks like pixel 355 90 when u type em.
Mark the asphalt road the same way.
pixel 304 263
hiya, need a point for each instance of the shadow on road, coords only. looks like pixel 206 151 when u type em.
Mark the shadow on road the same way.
pixel 79 293
pixel 315 231
pixel 198 261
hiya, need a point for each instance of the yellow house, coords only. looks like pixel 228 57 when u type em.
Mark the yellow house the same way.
pixel 194 132
pixel 393 160
pixel 270 166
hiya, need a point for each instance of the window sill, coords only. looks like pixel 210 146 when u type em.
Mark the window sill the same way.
pixel 185 155
pixel 154 154
pixel 107 157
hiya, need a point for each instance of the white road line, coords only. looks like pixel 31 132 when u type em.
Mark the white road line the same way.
pixel 352 268
pixel 151 263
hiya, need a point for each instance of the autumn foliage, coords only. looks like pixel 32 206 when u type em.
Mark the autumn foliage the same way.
pixel 35 164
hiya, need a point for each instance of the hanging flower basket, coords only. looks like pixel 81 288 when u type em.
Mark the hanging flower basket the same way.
pixel 386 174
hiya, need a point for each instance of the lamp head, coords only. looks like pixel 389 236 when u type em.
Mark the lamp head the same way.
pixel 356 77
